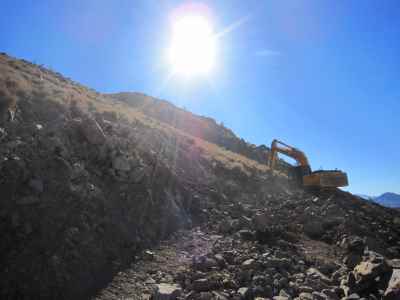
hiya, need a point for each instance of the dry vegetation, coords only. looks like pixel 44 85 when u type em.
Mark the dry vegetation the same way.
pixel 16 77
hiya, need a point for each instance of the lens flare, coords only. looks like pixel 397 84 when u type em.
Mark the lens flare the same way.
pixel 193 46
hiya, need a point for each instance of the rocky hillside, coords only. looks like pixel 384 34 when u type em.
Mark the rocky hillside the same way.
pixel 102 199
pixel 198 126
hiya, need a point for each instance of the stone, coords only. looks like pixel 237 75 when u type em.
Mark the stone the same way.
pixel 166 291
pixel 3 133
pixel 220 296
pixel 306 296
pixel 201 285
pixel 353 296
pixel 37 185
pixel 339 274
pixel 244 222
pixel 246 235
pixel 225 226
pixel 356 244
pixel 245 293
pixel 28 200
pixel 148 255
pixel 258 291
pixel 283 282
pixel 393 289
pixel 121 163
pixel 273 262
pixel 262 280
pixel 369 269
pixel 244 275
pixel 330 294
pixel 315 273
pixel 285 293
pixel 352 260
pixel 205 296
pixel 394 263
pixel 60 169
pixel 150 281
pixel 313 229
pixel 319 296
pixel 137 174
pixel 305 289
pixel 204 263
pixel 260 221
pixel 220 260
pixel 280 298
pixel 229 284
pixel 92 131
pixel 249 264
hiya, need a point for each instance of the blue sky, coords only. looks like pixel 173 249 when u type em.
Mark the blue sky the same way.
pixel 320 75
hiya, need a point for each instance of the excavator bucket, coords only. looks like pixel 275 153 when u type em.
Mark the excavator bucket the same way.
pixel 326 179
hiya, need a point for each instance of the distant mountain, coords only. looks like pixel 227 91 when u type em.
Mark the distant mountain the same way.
pixel 386 199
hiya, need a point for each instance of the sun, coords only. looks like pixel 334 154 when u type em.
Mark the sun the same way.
pixel 193 46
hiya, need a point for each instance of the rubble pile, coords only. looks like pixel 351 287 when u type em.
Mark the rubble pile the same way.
pixel 244 254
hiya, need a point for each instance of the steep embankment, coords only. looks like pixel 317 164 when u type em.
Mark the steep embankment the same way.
pixel 87 182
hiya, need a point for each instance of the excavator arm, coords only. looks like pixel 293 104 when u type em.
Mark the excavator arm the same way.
pixel 296 154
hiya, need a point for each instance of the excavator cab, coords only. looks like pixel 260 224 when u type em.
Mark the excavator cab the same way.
pixel 302 174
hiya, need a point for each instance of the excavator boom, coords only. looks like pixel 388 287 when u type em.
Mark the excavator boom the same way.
pixel 281 147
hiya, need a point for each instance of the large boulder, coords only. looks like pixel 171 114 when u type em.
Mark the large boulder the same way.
pixel 369 276
pixel 370 268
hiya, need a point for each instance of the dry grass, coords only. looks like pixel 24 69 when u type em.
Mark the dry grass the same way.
pixel 33 79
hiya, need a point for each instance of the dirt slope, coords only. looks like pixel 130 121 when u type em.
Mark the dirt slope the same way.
pixel 87 183
pixel 198 126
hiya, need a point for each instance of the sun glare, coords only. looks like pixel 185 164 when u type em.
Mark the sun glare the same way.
pixel 193 46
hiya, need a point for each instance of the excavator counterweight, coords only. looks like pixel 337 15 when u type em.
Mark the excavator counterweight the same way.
pixel 302 173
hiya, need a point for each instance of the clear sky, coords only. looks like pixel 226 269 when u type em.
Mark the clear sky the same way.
pixel 321 75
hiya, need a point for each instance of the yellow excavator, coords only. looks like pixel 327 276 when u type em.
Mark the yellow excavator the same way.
pixel 302 173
